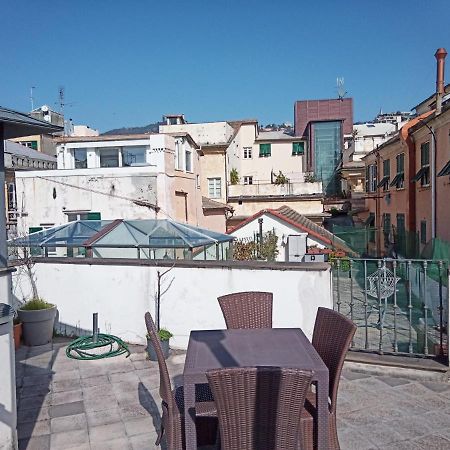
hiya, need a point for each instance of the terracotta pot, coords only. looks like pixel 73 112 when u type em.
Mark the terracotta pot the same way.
pixel 17 335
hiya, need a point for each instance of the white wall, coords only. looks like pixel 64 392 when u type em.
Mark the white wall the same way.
pixel 122 293
pixel 282 230
pixel 202 133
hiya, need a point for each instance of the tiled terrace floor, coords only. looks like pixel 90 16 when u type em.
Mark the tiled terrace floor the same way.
pixel 113 404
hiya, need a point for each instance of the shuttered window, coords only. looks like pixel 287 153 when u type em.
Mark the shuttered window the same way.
pixel 265 150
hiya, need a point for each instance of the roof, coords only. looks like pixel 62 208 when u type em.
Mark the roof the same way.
pixel 300 222
pixel 374 129
pixel 236 124
pixel 16 149
pixel 432 98
pixel 276 136
pixel 16 124
pixel 186 135
pixel 207 203
pixel 151 233
pixel 107 137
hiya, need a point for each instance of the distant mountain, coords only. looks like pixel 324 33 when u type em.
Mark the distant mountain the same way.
pixel 150 128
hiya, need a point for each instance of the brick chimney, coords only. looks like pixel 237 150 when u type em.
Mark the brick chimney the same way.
pixel 440 55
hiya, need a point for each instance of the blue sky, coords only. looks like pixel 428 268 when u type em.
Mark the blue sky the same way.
pixel 126 63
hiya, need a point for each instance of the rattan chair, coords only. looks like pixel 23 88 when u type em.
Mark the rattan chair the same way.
pixel 172 421
pixel 332 336
pixel 247 309
pixel 259 408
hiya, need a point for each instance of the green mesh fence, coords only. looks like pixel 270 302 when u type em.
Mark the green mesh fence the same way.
pixel 356 238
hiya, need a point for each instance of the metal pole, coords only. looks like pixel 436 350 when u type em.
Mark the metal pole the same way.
pixel 441 313
pixel 425 307
pixel 366 344
pixel 95 327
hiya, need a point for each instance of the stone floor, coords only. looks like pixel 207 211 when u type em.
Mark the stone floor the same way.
pixel 114 404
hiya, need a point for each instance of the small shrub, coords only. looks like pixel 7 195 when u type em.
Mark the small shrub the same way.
pixel 36 304
pixel 164 335
pixel 234 176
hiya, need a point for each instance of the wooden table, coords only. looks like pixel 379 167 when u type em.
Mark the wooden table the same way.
pixel 280 347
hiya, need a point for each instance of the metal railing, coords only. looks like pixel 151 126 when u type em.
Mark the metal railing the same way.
pixel 401 306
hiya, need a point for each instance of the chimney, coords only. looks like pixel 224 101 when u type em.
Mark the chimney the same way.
pixel 440 55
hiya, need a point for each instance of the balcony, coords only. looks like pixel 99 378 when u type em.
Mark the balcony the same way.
pixel 267 189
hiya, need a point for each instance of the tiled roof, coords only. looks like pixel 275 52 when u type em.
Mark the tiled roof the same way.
pixel 207 203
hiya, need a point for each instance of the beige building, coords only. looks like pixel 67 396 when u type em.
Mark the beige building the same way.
pixel 251 169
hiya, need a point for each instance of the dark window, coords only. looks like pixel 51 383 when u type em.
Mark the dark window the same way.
pixel 265 150
pixel 109 157
pixel 424 172
pixel 371 224
pixel 386 229
pixel 133 156
pixel 80 156
pixel 399 178
pixel 298 148
pixel 423 231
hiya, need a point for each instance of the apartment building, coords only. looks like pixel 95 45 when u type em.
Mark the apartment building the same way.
pixel 110 177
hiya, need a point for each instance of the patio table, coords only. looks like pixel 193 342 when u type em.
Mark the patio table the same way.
pixel 280 347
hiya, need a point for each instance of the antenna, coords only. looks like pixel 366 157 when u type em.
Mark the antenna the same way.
pixel 61 99
pixel 32 97
pixel 340 88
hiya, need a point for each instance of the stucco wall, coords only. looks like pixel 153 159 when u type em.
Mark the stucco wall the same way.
pixel 121 294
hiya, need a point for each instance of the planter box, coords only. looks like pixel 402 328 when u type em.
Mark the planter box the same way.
pixel 17 335
pixel 37 325
pixel 152 353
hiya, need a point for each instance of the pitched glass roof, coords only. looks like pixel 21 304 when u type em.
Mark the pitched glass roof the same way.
pixel 152 233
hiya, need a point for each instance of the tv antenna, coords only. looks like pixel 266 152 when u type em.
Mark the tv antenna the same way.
pixel 340 87
pixel 62 101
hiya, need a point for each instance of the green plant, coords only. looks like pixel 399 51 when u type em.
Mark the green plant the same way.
pixel 164 335
pixel 36 304
pixel 281 178
pixel 269 248
pixel 234 176
pixel 310 178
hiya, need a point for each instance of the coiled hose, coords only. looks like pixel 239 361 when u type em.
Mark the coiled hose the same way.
pixel 102 346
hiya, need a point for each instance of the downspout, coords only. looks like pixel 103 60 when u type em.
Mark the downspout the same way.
pixel 433 183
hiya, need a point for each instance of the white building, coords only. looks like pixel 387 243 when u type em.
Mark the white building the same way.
pixel 297 235
pixel 110 177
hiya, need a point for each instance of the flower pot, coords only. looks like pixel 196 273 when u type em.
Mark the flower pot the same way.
pixel 37 325
pixel 151 350
pixel 17 335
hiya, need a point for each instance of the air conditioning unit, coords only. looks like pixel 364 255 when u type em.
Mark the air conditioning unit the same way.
pixel 296 247
pixel 316 257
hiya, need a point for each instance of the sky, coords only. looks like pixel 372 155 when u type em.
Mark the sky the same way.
pixel 126 63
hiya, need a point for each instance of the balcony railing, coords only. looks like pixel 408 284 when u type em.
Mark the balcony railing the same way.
pixel 265 188
pixel 401 306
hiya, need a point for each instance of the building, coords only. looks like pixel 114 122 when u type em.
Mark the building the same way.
pixel 325 124
pixel 250 169
pixel 407 179
pixel 297 236
pixel 117 177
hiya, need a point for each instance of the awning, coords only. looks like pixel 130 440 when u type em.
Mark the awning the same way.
pixel 445 170
pixel 16 124
pixel 398 180
pixel 384 181
pixel 423 172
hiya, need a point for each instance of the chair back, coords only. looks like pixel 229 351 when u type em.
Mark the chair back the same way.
pixel 247 309
pixel 165 388
pixel 259 408
pixel 332 337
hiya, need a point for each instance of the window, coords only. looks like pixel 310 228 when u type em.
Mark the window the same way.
pixel 248 180
pixel 265 150
pixel 298 148
pixel 247 152
pixel 30 144
pixel 423 231
pixel 386 228
pixel 109 157
pixel 384 183
pixel 133 156
pixel 371 178
pixel 424 172
pixel 178 155
pixel 83 215
pixel 214 188
pixel 11 199
pixel 371 224
pixel 197 181
pixel 80 157
pixel 188 155
pixel 399 178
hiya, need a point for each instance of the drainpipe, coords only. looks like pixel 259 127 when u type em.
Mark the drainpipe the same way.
pixel 433 183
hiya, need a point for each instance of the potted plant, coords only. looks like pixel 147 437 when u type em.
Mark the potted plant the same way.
pixel 17 332
pixel 164 335
pixel 37 317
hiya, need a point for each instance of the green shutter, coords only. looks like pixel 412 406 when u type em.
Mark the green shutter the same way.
pixel 265 150
pixel 34 145
pixel 94 216
pixel 34 229
pixel 298 148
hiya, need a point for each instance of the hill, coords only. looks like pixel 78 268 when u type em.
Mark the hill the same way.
pixel 150 128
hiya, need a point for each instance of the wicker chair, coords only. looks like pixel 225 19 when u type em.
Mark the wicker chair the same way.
pixel 172 421
pixel 247 309
pixel 259 408
pixel 332 336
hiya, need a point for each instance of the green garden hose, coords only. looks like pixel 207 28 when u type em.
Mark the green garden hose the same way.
pixel 96 347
